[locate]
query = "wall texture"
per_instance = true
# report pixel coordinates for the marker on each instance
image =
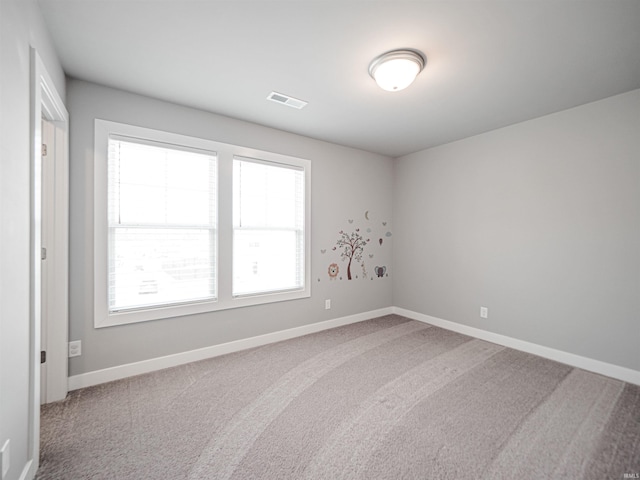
(539, 222)
(346, 185)
(21, 26)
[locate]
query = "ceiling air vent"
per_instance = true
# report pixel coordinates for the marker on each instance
(286, 100)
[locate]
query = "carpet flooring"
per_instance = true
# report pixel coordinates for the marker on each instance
(389, 398)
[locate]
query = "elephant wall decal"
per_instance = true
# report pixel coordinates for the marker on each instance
(380, 271)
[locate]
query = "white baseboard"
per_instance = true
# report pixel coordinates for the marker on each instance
(128, 370)
(589, 364)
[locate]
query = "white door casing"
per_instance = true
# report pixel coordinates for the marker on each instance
(47, 104)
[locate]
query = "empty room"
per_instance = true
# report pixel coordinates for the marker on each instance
(319, 239)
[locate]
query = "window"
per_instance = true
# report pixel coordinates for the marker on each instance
(268, 227)
(186, 225)
(162, 224)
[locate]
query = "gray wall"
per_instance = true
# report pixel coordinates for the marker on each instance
(539, 221)
(346, 183)
(21, 26)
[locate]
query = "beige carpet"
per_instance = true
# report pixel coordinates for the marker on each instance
(388, 398)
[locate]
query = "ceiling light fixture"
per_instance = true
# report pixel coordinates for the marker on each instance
(397, 69)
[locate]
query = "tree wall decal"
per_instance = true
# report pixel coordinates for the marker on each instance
(351, 247)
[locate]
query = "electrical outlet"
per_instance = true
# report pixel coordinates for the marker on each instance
(327, 304)
(75, 348)
(484, 312)
(5, 458)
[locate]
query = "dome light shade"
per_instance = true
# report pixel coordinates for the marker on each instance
(397, 69)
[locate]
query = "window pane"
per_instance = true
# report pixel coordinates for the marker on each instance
(160, 266)
(268, 195)
(266, 261)
(153, 185)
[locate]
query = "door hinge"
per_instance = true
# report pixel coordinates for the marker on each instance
(43, 253)
(43, 356)
(44, 149)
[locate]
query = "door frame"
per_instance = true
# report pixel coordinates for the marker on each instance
(47, 103)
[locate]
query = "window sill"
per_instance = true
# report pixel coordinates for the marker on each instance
(103, 320)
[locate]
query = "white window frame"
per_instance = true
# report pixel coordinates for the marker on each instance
(225, 154)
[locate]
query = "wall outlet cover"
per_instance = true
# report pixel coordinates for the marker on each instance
(75, 348)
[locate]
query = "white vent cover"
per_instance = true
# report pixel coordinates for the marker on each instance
(286, 100)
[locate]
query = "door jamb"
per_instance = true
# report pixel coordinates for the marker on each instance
(47, 103)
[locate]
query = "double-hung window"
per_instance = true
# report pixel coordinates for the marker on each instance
(268, 227)
(185, 225)
(162, 224)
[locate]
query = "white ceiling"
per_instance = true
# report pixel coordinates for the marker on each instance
(489, 63)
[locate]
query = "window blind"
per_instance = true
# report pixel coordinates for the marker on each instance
(161, 224)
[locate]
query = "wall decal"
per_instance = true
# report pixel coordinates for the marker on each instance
(351, 246)
(333, 271)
